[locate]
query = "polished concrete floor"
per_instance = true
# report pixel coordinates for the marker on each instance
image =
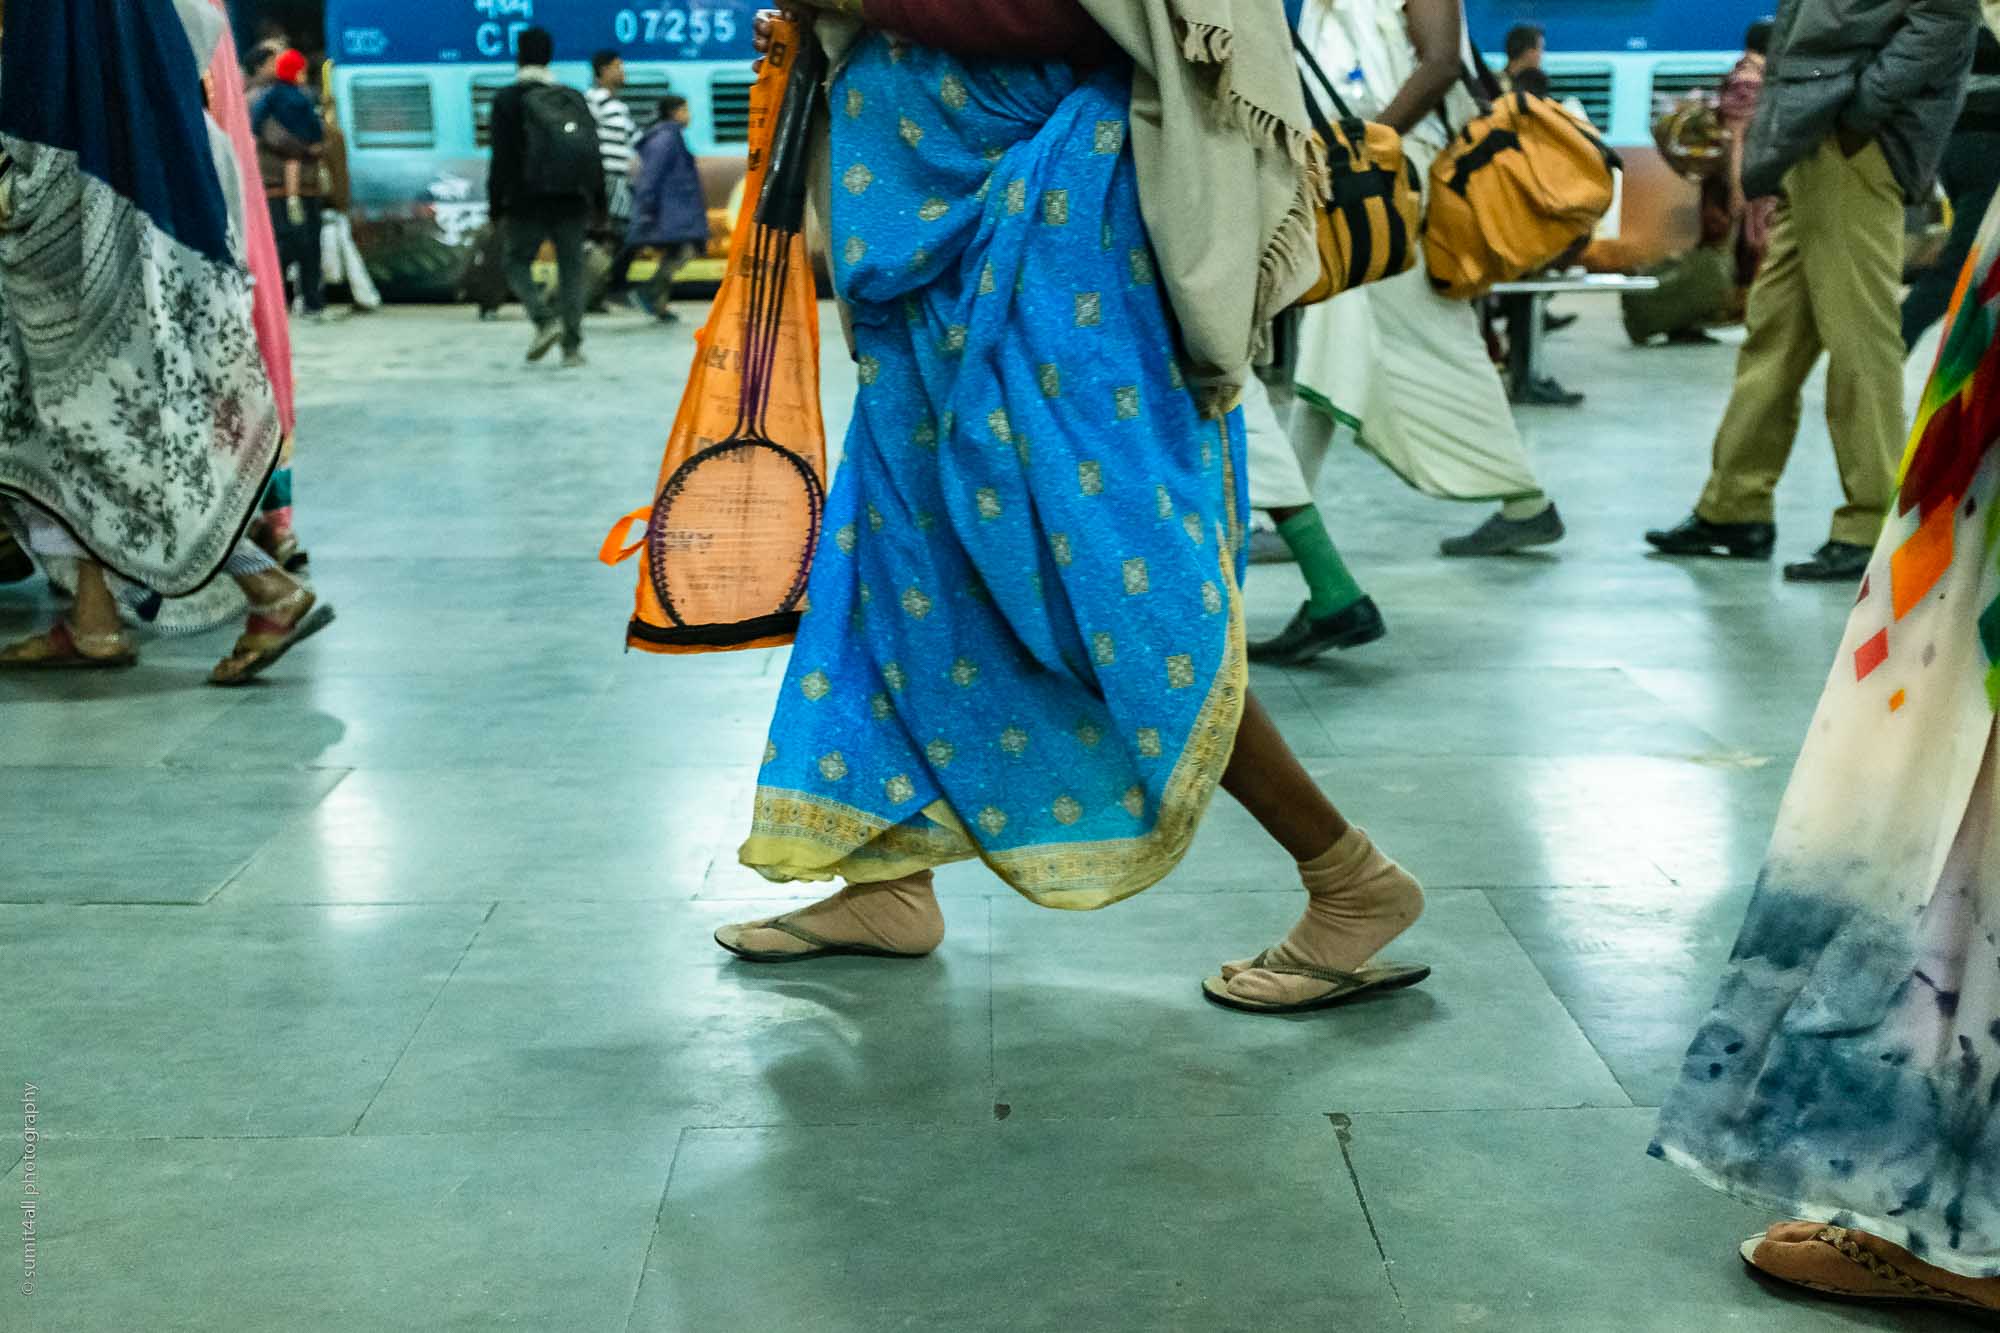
(380, 996)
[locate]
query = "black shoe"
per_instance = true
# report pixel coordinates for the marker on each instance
(546, 337)
(1835, 562)
(1697, 536)
(1543, 391)
(1306, 638)
(1554, 323)
(1500, 535)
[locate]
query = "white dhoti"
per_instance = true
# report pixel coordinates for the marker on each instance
(1278, 476)
(1407, 371)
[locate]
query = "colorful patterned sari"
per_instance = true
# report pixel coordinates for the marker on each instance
(1850, 1071)
(1024, 641)
(134, 407)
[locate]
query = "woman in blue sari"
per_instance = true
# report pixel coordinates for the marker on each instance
(1025, 638)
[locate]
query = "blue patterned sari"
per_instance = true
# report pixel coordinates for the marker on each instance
(1024, 641)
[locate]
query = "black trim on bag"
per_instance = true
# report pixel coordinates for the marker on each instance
(1399, 244)
(715, 636)
(1480, 155)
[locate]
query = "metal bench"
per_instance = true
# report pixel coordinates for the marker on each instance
(1525, 303)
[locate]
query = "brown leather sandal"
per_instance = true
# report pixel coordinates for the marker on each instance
(1856, 1266)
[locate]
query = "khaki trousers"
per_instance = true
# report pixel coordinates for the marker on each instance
(1830, 282)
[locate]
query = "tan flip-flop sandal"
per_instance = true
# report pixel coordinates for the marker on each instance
(1374, 979)
(1833, 1263)
(731, 938)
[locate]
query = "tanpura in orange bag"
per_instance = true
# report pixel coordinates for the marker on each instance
(733, 524)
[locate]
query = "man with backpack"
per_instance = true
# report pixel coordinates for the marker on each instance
(1859, 98)
(546, 183)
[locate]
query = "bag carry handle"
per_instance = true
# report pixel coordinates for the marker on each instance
(1483, 87)
(615, 551)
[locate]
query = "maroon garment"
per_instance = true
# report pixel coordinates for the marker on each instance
(1000, 29)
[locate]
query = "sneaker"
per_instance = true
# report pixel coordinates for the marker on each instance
(637, 300)
(1305, 638)
(573, 358)
(546, 337)
(1268, 548)
(1697, 536)
(1835, 562)
(667, 316)
(1500, 535)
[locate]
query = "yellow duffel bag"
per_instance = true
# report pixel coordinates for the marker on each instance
(1370, 213)
(1512, 191)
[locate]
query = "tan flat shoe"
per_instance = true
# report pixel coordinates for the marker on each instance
(1857, 1266)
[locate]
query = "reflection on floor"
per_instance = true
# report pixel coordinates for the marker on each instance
(380, 996)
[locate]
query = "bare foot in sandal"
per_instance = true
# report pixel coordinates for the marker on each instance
(65, 649)
(89, 637)
(1358, 901)
(896, 918)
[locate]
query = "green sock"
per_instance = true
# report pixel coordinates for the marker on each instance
(1333, 589)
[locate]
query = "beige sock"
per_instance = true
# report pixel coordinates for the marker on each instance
(1358, 900)
(900, 915)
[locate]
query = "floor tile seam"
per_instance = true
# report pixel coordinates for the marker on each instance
(291, 823)
(982, 1118)
(525, 1130)
(1549, 983)
(653, 1238)
(289, 905)
(429, 1009)
(992, 1024)
(1566, 1108)
(1343, 1132)
(1686, 716)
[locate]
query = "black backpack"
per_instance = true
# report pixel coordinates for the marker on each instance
(559, 144)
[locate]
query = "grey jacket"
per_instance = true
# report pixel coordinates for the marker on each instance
(1889, 70)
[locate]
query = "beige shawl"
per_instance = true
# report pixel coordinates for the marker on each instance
(1227, 167)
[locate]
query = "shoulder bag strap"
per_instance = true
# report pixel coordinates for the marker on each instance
(1474, 75)
(1306, 56)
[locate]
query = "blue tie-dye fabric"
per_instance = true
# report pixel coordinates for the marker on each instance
(1024, 617)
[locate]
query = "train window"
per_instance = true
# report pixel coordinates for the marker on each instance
(392, 113)
(729, 108)
(643, 97)
(1671, 84)
(1590, 86)
(484, 89)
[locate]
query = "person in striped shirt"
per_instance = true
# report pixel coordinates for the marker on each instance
(617, 135)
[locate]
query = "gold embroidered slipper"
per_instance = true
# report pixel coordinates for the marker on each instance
(1347, 987)
(63, 649)
(817, 946)
(1857, 1266)
(266, 639)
